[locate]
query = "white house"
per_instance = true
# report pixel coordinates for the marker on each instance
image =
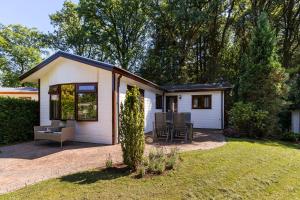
(91, 92)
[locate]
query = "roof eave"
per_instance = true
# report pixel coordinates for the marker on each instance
(198, 90)
(68, 56)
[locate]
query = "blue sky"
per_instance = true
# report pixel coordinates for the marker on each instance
(31, 13)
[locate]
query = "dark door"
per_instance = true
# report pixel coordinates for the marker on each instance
(171, 103)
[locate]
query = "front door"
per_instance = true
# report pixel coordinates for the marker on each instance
(171, 103)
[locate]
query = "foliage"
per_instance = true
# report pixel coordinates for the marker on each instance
(289, 136)
(17, 118)
(158, 162)
(246, 118)
(262, 81)
(71, 33)
(141, 171)
(20, 50)
(285, 119)
(132, 129)
(119, 26)
(109, 162)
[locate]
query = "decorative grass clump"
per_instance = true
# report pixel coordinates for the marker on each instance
(158, 161)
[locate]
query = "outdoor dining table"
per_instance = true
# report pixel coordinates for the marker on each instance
(189, 133)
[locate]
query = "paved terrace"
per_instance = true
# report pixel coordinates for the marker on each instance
(28, 163)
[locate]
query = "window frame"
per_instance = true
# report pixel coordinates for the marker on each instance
(199, 101)
(161, 101)
(86, 92)
(58, 92)
(59, 101)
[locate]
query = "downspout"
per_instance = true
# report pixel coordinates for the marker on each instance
(222, 109)
(39, 100)
(118, 104)
(113, 108)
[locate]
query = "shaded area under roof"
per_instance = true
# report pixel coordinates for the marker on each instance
(197, 87)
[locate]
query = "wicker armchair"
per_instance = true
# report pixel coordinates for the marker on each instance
(56, 132)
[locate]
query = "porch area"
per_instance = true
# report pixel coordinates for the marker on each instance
(28, 163)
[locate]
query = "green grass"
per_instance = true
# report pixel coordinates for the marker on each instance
(242, 169)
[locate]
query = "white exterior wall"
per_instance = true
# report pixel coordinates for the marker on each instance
(149, 100)
(202, 118)
(296, 121)
(69, 71)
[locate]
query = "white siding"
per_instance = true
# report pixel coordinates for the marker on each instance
(202, 118)
(149, 100)
(68, 71)
(296, 121)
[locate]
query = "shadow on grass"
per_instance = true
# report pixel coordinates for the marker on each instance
(90, 177)
(268, 142)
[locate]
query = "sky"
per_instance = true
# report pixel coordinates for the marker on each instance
(30, 13)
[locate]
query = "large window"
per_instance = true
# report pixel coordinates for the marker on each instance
(159, 101)
(201, 102)
(74, 101)
(87, 102)
(54, 102)
(67, 99)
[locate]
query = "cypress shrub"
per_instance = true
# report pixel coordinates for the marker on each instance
(17, 118)
(132, 129)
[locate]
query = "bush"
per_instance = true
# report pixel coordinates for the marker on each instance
(158, 162)
(132, 129)
(17, 119)
(172, 159)
(141, 171)
(245, 118)
(289, 136)
(157, 159)
(109, 162)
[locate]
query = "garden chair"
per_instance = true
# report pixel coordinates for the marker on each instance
(58, 133)
(182, 129)
(54, 124)
(161, 129)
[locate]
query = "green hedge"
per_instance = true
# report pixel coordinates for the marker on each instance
(17, 118)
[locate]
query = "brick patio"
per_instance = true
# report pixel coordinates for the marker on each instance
(28, 163)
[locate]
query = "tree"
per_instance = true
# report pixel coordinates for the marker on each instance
(119, 26)
(262, 81)
(20, 49)
(132, 128)
(71, 34)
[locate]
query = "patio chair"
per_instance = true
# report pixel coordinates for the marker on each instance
(182, 129)
(58, 134)
(161, 128)
(189, 123)
(54, 124)
(170, 116)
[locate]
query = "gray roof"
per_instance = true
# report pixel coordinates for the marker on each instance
(18, 89)
(107, 66)
(197, 87)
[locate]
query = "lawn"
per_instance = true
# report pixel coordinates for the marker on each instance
(242, 169)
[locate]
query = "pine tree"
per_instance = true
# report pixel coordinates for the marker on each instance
(132, 128)
(262, 82)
